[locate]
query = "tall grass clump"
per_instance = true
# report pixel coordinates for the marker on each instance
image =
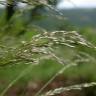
(69, 49)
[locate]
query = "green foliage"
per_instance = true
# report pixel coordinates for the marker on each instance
(29, 52)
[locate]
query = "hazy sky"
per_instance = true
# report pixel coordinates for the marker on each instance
(77, 3)
(74, 4)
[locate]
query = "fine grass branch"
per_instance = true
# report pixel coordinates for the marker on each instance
(43, 46)
(60, 90)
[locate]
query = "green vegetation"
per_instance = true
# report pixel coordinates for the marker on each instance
(38, 45)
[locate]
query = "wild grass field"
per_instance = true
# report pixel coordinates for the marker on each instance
(34, 60)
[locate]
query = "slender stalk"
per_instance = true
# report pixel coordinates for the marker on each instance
(53, 77)
(16, 79)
